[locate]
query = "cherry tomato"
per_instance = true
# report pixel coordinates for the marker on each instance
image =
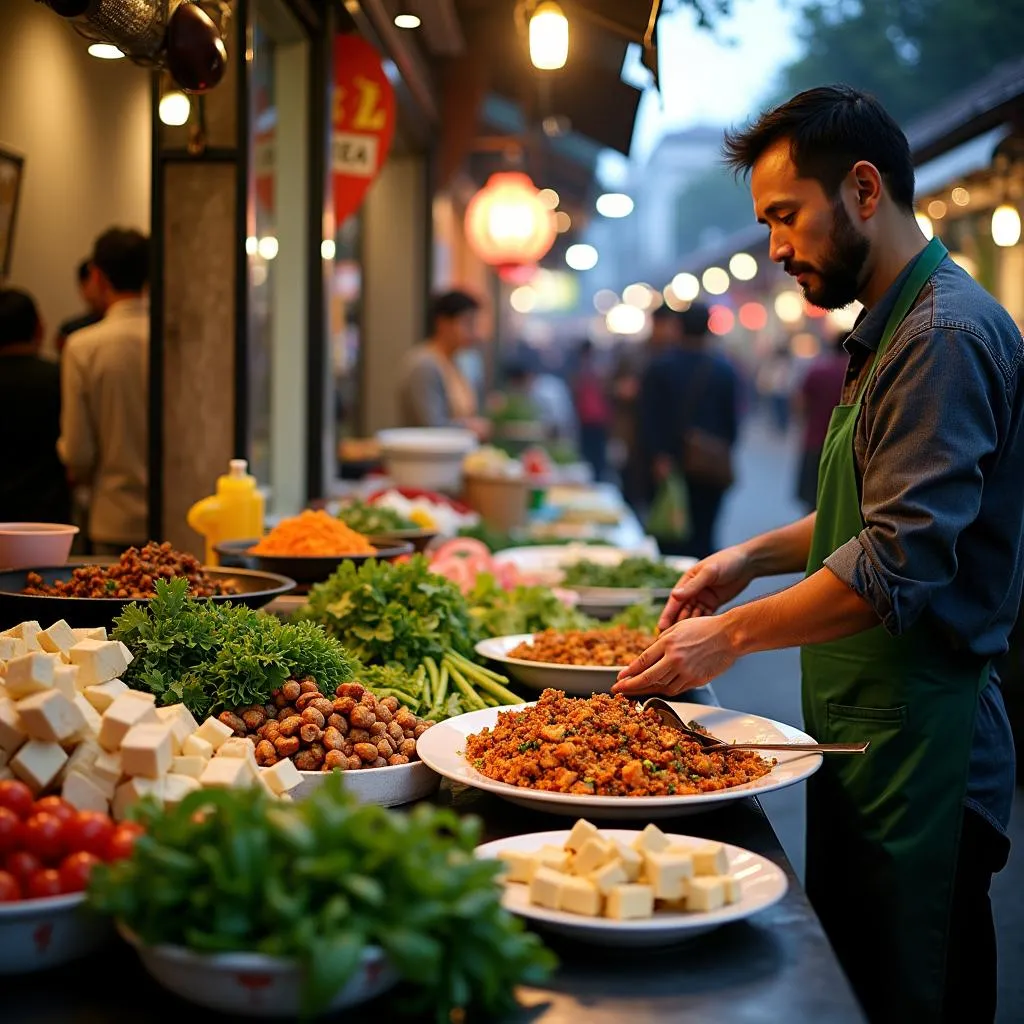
(10, 830)
(22, 864)
(90, 831)
(9, 888)
(56, 806)
(75, 870)
(16, 796)
(44, 883)
(123, 841)
(43, 835)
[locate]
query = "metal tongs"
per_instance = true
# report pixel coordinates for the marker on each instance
(670, 717)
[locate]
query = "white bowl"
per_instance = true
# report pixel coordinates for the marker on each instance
(387, 787)
(252, 984)
(578, 680)
(426, 458)
(25, 545)
(36, 935)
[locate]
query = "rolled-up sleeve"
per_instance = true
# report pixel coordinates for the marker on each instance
(76, 446)
(932, 421)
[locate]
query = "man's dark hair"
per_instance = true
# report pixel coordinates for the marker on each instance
(450, 305)
(83, 271)
(122, 256)
(829, 129)
(695, 320)
(19, 318)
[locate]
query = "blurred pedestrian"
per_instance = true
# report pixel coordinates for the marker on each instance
(93, 308)
(33, 484)
(593, 410)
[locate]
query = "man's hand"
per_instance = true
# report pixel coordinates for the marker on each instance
(712, 582)
(689, 654)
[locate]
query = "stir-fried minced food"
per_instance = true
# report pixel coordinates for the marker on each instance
(605, 647)
(603, 746)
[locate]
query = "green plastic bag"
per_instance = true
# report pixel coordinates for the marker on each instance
(669, 516)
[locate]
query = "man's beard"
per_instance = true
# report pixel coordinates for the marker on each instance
(839, 277)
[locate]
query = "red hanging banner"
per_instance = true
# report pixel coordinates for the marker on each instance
(362, 122)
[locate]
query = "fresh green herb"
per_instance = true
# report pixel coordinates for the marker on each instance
(212, 657)
(501, 612)
(320, 880)
(372, 520)
(529, 745)
(671, 789)
(631, 572)
(638, 616)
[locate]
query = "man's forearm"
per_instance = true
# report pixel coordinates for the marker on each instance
(815, 610)
(781, 551)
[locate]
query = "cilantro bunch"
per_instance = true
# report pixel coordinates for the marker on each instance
(216, 656)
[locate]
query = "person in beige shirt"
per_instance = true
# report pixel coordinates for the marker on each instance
(104, 433)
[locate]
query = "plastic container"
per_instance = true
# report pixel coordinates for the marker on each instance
(426, 458)
(502, 502)
(26, 545)
(233, 513)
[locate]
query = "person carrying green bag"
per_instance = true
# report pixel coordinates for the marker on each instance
(914, 568)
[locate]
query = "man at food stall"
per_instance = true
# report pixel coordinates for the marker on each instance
(913, 562)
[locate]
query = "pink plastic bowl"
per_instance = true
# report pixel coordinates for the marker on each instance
(27, 545)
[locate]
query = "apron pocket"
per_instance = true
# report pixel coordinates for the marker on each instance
(896, 716)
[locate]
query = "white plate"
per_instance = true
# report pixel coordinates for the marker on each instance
(542, 675)
(762, 884)
(36, 935)
(387, 787)
(442, 748)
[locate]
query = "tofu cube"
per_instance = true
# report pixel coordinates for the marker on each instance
(580, 896)
(667, 873)
(131, 792)
(90, 632)
(11, 647)
(181, 724)
(519, 866)
(126, 654)
(65, 679)
(12, 731)
(57, 639)
(196, 746)
(124, 713)
(710, 859)
(103, 695)
(733, 888)
(147, 750)
(214, 732)
(581, 832)
(237, 746)
(282, 776)
(188, 764)
(98, 660)
(27, 632)
(704, 893)
(651, 840)
(594, 853)
(546, 887)
(28, 674)
(149, 698)
(83, 757)
(107, 768)
(609, 876)
(50, 716)
(93, 721)
(556, 857)
(626, 902)
(631, 861)
(38, 763)
(227, 773)
(177, 787)
(82, 792)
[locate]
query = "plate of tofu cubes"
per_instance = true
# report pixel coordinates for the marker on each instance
(620, 887)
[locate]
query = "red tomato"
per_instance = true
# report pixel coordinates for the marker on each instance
(9, 888)
(56, 806)
(44, 883)
(75, 870)
(90, 831)
(10, 830)
(16, 796)
(43, 835)
(21, 864)
(123, 840)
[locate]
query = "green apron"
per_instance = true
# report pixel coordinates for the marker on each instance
(883, 828)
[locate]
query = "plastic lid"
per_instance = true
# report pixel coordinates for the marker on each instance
(238, 467)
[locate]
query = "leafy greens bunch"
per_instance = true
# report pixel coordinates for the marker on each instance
(319, 881)
(216, 656)
(521, 610)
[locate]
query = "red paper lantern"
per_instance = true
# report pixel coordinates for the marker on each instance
(507, 224)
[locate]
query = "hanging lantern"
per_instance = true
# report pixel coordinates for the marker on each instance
(507, 224)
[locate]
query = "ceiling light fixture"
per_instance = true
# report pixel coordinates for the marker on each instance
(407, 21)
(175, 108)
(614, 205)
(105, 51)
(1005, 225)
(549, 37)
(581, 256)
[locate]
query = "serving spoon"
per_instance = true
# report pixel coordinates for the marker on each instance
(670, 717)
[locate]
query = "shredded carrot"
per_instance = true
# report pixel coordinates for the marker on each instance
(311, 534)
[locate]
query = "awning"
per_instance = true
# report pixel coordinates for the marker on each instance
(959, 162)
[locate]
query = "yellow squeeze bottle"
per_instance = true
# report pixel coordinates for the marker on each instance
(235, 512)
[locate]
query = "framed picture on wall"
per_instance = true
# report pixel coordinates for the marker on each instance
(12, 167)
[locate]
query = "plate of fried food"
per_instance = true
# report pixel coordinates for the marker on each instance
(581, 661)
(605, 756)
(619, 887)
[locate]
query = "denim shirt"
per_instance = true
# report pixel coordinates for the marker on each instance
(939, 452)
